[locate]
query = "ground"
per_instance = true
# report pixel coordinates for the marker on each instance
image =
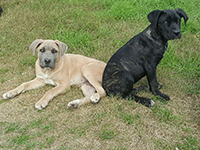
(97, 28)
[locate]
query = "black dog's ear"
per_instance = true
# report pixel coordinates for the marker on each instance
(182, 14)
(153, 17)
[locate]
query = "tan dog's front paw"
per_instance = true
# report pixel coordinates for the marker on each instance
(9, 95)
(41, 104)
(95, 98)
(73, 104)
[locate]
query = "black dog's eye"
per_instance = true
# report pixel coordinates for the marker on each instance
(179, 20)
(165, 22)
(42, 50)
(54, 51)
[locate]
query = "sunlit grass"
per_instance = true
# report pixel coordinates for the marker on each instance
(97, 28)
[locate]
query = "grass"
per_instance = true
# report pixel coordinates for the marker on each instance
(97, 28)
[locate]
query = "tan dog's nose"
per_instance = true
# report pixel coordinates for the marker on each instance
(47, 61)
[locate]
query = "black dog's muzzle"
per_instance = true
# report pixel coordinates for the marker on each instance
(177, 33)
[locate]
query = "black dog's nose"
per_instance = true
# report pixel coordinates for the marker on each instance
(47, 61)
(177, 32)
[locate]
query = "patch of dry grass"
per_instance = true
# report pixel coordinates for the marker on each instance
(90, 28)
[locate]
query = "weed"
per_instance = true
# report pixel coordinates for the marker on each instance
(118, 148)
(13, 127)
(78, 131)
(22, 139)
(107, 133)
(4, 70)
(50, 140)
(126, 116)
(30, 61)
(189, 143)
(165, 115)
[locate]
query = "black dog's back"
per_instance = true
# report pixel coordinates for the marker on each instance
(124, 60)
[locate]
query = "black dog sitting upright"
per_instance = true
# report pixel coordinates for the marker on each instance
(140, 56)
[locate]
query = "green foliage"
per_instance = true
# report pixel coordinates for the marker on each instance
(189, 143)
(50, 140)
(165, 115)
(25, 133)
(126, 116)
(13, 127)
(22, 139)
(78, 131)
(28, 61)
(187, 66)
(107, 133)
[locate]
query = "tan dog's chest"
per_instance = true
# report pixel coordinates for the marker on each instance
(46, 79)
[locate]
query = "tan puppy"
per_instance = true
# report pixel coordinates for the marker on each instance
(63, 70)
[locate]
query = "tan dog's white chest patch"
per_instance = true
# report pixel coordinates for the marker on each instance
(46, 79)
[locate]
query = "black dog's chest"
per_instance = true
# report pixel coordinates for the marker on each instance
(155, 55)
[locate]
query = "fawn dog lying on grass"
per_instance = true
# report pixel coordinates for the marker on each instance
(63, 70)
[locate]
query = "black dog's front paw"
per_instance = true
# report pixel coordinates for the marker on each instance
(165, 97)
(162, 95)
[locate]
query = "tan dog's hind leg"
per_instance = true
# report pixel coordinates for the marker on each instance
(33, 84)
(92, 90)
(93, 73)
(88, 92)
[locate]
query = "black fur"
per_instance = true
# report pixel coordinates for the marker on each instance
(1, 10)
(140, 56)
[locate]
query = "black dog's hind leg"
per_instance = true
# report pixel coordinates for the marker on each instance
(144, 88)
(130, 93)
(142, 100)
(140, 88)
(121, 84)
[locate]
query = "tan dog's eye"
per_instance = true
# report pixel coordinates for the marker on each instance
(42, 50)
(54, 51)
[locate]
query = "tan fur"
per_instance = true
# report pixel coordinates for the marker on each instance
(70, 70)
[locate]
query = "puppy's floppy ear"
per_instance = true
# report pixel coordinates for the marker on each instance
(35, 44)
(62, 46)
(182, 14)
(153, 17)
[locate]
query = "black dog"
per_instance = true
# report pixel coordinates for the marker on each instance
(140, 56)
(1, 10)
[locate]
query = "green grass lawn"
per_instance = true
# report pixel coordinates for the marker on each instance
(97, 28)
